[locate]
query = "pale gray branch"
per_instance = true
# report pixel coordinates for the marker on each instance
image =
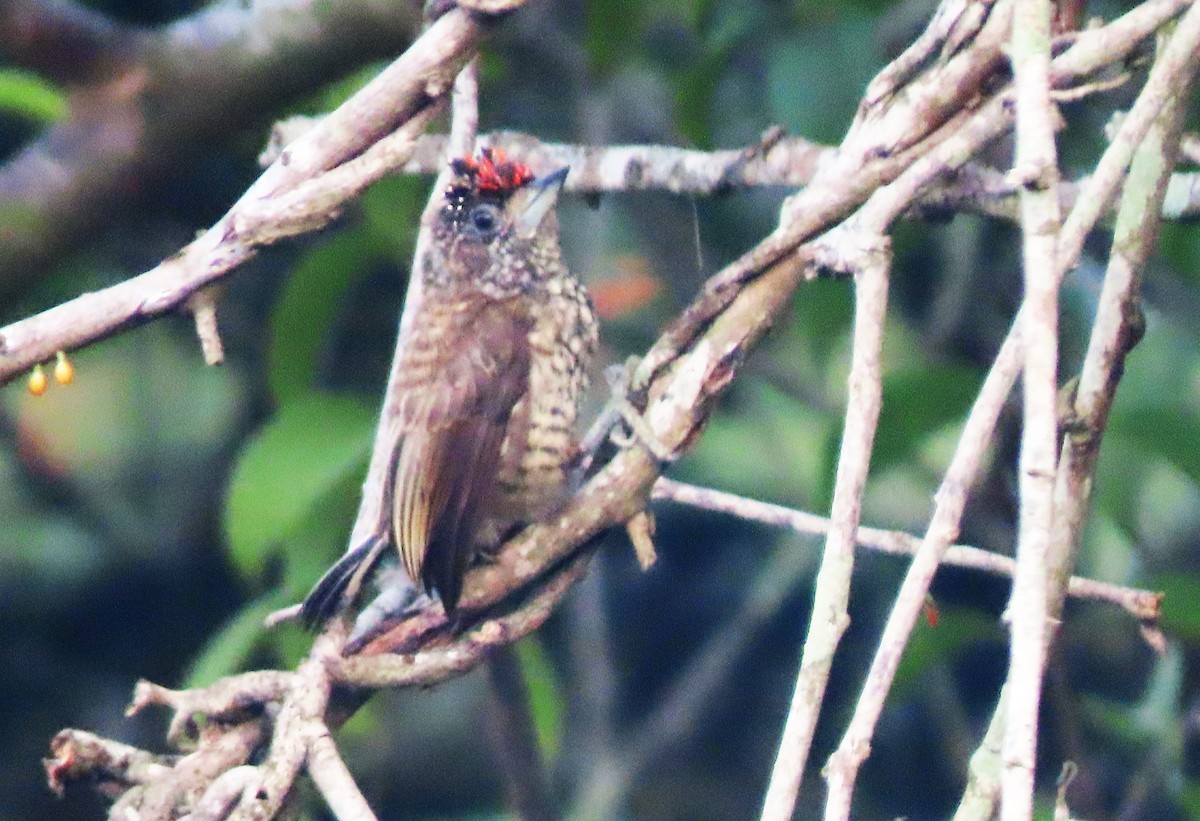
(1036, 170)
(1143, 605)
(870, 258)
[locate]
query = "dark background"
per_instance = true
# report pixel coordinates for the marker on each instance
(154, 510)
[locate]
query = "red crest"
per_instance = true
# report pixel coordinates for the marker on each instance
(493, 172)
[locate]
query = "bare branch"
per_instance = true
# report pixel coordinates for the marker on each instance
(1177, 63)
(1036, 168)
(870, 257)
(217, 70)
(388, 661)
(1118, 325)
(1143, 605)
(111, 765)
(982, 790)
(220, 748)
(230, 699)
(787, 162)
(334, 781)
(224, 793)
(203, 305)
(402, 94)
(935, 549)
(300, 721)
(775, 161)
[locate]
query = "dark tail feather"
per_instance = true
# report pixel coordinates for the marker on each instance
(329, 595)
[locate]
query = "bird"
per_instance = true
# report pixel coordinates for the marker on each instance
(489, 385)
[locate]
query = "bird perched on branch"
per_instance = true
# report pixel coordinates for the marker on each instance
(489, 385)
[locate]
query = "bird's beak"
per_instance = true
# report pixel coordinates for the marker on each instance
(536, 200)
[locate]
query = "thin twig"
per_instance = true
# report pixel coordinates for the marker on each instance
(1104, 181)
(982, 793)
(872, 263)
(229, 699)
(843, 183)
(789, 162)
(933, 550)
(79, 755)
(334, 781)
(1117, 326)
(300, 720)
(219, 748)
(224, 793)
(1143, 605)
(400, 93)
(681, 708)
(1036, 168)
(983, 767)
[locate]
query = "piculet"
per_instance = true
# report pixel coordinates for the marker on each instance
(489, 385)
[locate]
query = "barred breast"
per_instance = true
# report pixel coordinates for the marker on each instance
(541, 442)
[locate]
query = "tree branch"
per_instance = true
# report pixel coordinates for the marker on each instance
(982, 787)
(869, 257)
(1143, 605)
(221, 69)
(401, 100)
(1036, 167)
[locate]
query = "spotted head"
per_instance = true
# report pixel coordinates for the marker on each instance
(497, 230)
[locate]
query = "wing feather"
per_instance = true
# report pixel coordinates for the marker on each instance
(459, 392)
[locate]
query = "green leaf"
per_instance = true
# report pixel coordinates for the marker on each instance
(600, 20)
(1189, 797)
(28, 95)
(927, 645)
(546, 701)
(314, 295)
(311, 448)
(918, 402)
(230, 648)
(1120, 477)
(768, 445)
(321, 536)
(1169, 432)
(823, 311)
(1181, 603)
(391, 211)
(308, 307)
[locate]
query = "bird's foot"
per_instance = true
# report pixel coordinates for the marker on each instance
(398, 598)
(636, 430)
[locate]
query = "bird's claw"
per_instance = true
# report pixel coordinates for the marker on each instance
(621, 422)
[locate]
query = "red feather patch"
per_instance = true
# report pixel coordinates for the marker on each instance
(493, 172)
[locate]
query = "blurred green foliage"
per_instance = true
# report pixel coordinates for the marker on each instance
(546, 699)
(29, 97)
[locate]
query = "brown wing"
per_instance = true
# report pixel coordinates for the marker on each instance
(466, 366)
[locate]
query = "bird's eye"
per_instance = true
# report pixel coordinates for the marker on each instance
(484, 219)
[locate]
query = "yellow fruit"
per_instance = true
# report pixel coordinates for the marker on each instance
(38, 380)
(64, 371)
